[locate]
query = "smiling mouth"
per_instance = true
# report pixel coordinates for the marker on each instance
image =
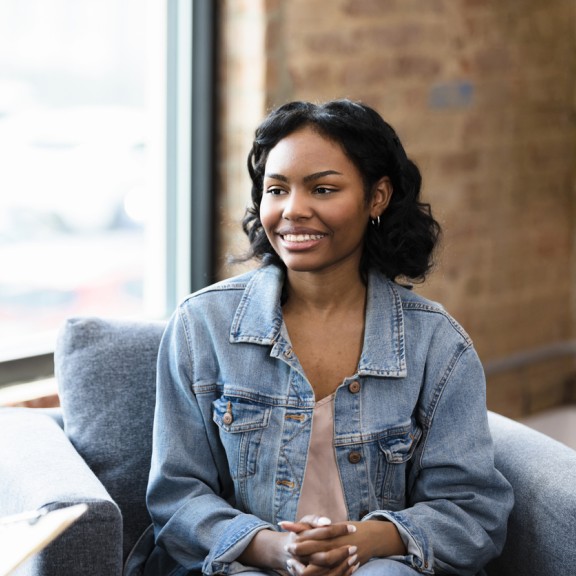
(302, 237)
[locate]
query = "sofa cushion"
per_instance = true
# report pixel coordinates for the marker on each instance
(542, 526)
(106, 372)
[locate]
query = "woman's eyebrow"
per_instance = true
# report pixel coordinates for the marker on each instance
(280, 177)
(308, 178)
(318, 175)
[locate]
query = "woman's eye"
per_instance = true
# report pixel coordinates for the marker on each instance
(275, 191)
(322, 190)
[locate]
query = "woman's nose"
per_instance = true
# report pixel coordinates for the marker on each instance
(297, 206)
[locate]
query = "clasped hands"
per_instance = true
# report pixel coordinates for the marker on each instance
(317, 547)
(314, 546)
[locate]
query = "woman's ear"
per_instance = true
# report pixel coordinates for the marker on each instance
(381, 197)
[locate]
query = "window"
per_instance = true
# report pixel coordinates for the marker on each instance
(105, 130)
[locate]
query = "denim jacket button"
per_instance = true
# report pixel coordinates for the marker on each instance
(354, 457)
(288, 353)
(354, 387)
(227, 418)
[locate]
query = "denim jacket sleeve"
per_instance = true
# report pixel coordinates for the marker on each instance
(458, 505)
(190, 493)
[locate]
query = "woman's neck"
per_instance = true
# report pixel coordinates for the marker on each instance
(324, 293)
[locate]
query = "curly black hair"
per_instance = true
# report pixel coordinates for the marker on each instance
(403, 243)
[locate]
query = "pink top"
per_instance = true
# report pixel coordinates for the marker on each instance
(322, 492)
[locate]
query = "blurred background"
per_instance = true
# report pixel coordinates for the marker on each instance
(481, 92)
(74, 155)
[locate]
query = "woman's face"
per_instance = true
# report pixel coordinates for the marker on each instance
(314, 209)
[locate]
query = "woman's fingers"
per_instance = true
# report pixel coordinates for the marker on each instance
(346, 567)
(295, 568)
(316, 521)
(295, 527)
(335, 557)
(328, 559)
(305, 523)
(318, 548)
(324, 534)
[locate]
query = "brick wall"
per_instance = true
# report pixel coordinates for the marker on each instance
(242, 78)
(482, 94)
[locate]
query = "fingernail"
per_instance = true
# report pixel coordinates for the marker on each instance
(353, 560)
(294, 567)
(323, 521)
(351, 528)
(352, 550)
(354, 568)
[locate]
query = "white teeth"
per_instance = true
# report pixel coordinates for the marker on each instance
(302, 237)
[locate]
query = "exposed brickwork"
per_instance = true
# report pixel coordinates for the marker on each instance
(482, 93)
(533, 388)
(242, 73)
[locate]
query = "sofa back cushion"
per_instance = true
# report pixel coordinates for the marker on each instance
(106, 373)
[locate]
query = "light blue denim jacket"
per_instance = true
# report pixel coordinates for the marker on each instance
(233, 422)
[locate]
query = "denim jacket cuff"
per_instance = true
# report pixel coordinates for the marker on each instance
(419, 552)
(231, 543)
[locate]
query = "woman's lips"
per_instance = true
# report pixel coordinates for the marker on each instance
(301, 241)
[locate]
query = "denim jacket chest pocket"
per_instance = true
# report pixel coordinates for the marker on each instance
(241, 425)
(395, 448)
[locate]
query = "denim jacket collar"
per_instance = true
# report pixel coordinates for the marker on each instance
(258, 320)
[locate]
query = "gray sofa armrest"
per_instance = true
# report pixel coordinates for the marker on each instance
(542, 527)
(39, 468)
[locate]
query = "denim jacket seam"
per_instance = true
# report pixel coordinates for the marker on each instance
(265, 400)
(186, 328)
(431, 308)
(438, 393)
(231, 284)
(399, 326)
(201, 389)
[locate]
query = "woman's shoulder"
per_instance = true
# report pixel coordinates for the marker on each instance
(428, 311)
(231, 290)
(218, 293)
(234, 283)
(413, 300)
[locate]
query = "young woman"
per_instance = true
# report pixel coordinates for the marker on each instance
(315, 416)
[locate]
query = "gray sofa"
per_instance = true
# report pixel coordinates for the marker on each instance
(96, 449)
